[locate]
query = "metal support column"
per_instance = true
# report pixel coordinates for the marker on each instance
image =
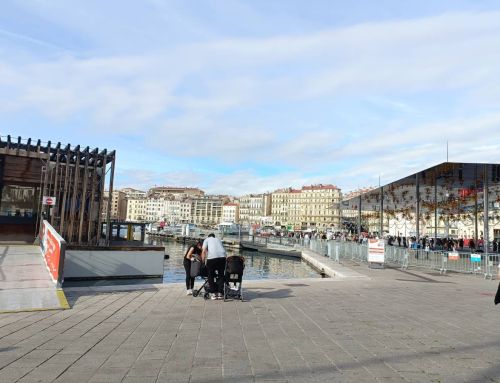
(486, 229)
(476, 236)
(417, 207)
(359, 218)
(381, 233)
(435, 210)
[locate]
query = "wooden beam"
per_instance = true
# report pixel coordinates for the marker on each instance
(67, 177)
(84, 194)
(74, 196)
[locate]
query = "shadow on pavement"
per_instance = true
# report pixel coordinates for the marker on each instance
(487, 374)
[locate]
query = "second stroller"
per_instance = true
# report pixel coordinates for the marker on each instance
(233, 276)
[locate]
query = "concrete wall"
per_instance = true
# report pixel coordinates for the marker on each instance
(113, 263)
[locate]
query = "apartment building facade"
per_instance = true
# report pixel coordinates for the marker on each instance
(254, 208)
(315, 207)
(230, 212)
(118, 207)
(136, 209)
(206, 210)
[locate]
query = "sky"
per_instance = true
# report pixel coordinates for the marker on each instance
(241, 97)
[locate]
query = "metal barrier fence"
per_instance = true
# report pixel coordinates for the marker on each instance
(482, 264)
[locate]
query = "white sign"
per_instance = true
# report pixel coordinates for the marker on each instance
(475, 257)
(50, 201)
(376, 248)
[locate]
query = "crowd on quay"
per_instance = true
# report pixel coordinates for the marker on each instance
(447, 244)
(426, 242)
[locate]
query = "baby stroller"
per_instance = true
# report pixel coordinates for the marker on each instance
(198, 269)
(233, 276)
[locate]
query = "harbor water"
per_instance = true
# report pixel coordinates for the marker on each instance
(257, 265)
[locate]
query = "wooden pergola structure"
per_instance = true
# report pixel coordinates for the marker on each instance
(75, 177)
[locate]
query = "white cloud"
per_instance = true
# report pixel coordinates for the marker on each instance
(198, 100)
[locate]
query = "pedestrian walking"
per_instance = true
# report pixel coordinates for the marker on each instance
(215, 256)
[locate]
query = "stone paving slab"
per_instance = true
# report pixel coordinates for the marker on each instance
(394, 326)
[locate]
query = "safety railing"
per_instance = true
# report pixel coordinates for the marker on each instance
(482, 264)
(485, 265)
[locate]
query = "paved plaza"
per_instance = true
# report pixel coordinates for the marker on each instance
(394, 326)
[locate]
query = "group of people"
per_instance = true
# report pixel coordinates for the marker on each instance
(449, 244)
(210, 252)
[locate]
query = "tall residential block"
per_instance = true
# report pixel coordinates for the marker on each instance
(315, 207)
(254, 208)
(206, 210)
(230, 212)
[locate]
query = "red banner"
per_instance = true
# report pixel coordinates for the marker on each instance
(53, 247)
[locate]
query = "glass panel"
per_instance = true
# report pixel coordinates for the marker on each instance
(19, 201)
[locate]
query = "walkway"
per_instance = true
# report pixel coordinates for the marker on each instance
(25, 282)
(329, 266)
(391, 327)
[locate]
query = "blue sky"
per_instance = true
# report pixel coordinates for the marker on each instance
(249, 96)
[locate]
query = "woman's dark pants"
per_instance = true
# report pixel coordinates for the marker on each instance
(189, 279)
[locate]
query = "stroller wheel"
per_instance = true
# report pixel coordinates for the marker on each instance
(195, 293)
(206, 295)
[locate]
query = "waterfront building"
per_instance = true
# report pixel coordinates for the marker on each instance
(253, 207)
(280, 207)
(133, 193)
(314, 207)
(159, 205)
(453, 200)
(185, 212)
(155, 209)
(230, 212)
(175, 211)
(206, 210)
(118, 205)
(176, 192)
(320, 206)
(72, 180)
(136, 209)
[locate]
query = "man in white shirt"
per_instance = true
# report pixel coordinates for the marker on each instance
(215, 255)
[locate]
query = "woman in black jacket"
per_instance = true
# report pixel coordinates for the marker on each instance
(189, 257)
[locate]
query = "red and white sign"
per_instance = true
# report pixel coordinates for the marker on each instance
(53, 247)
(454, 256)
(47, 200)
(376, 250)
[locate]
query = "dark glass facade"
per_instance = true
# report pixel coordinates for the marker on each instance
(450, 200)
